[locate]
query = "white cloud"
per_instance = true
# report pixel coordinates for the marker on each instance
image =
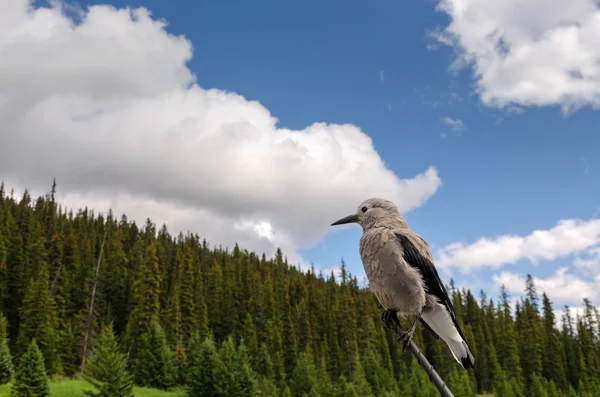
(563, 287)
(108, 107)
(568, 237)
(567, 286)
(590, 260)
(381, 76)
(455, 124)
(528, 52)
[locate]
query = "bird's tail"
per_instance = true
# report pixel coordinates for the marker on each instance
(443, 324)
(461, 352)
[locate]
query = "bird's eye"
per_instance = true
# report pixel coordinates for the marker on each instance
(364, 209)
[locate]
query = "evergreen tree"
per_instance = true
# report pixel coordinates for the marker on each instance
(286, 392)
(264, 364)
(325, 387)
(3, 327)
(180, 364)
(303, 380)
(114, 278)
(290, 344)
(206, 374)
(16, 267)
(6, 365)
(275, 345)
(248, 335)
(192, 358)
(345, 389)
(508, 348)
(236, 376)
(537, 388)
(347, 331)
(107, 368)
(553, 357)
(214, 298)
(155, 363)
(146, 289)
(552, 390)
(68, 348)
(504, 388)
(39, 321)
(189, 320)
(571, 349)
(530, 335)
(261, 313)
(31, 379)
(266, 387)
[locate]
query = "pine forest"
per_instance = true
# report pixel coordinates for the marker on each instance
(98, 297)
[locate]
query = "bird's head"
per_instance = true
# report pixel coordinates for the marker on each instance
(375, 212)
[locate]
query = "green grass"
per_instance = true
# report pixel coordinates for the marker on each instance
(75, 388)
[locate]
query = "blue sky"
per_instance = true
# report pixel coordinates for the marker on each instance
(377, 65)
(315, 61)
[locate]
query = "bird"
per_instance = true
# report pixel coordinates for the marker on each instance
(399, 267)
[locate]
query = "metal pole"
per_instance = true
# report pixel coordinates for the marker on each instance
(394, 324)
(433, 375)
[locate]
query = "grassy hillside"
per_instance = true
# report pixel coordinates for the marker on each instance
(75, 388)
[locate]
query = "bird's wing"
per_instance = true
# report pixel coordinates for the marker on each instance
(434, 285)
(428, 328)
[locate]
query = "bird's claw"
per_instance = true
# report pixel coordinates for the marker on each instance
(407, 337)
(390, 319)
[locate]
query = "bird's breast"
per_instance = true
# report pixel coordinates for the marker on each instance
(395, 283)
(371, 244)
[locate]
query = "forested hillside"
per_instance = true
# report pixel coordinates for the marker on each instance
(292, 333)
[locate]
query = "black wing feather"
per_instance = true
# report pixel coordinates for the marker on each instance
(431, 278)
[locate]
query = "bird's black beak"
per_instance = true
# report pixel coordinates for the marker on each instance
(348, 219)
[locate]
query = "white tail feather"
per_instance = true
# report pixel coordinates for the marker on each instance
(441, 323)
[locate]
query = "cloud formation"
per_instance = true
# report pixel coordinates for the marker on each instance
(577, 239)
(119, 119)
(568, 237)
(455, 124)
(523, 56)
(563, 286)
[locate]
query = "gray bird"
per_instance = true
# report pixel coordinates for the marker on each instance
(399, 266)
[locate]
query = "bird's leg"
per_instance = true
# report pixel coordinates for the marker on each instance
(390, 319)
(409, 335)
